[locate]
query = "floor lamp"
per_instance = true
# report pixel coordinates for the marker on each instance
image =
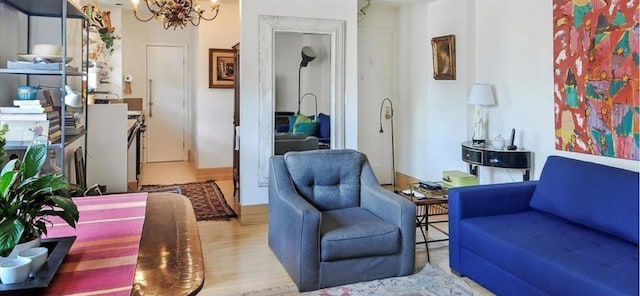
(316, 100)
(308, 55)
(393, 153)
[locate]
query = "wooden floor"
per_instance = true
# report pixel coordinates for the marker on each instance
(237, 258)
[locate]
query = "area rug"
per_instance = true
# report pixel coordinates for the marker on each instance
(206, 198)
(430, 281)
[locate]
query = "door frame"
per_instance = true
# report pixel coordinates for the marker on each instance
(394, 93)
(186, 90)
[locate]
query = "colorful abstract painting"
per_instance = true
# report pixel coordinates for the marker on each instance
(596, 83)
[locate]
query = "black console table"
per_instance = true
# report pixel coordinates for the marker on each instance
(485, 156)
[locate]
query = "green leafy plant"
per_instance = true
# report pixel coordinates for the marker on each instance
(108, 38)
(28, 198)
(3, 130)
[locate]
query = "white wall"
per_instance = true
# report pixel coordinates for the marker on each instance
(515, 53)
(314, 78)
(250, 192)
(213, 107)
(210, 110)
(378, 55)
(135, 36)
(496, 43)
(431, 113)
(13, 30)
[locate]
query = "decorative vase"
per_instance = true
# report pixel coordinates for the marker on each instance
(21, 247)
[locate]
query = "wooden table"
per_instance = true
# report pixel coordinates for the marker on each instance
(170, 257)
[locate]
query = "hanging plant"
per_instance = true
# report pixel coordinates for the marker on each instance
(102, 21)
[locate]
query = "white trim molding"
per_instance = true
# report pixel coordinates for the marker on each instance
(269, 25)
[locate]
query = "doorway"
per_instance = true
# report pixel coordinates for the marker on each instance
(166, 111)
(376, 75)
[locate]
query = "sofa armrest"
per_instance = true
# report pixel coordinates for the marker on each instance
(294, 227)
(484, 200)
(394, 209)
(490, 200)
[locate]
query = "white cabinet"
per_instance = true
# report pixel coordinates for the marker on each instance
(107, 146)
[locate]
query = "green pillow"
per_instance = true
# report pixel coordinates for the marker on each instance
(293, 119)
(307, 128)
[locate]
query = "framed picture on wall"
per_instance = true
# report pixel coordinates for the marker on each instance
(221, 68)
(444, 57)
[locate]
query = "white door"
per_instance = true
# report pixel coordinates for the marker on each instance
(376, 74)
(165, 109)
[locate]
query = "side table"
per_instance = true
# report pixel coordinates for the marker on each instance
(434, 203)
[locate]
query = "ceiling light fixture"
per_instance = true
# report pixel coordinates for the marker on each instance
(176, 13)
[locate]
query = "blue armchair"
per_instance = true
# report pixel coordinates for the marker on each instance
(331, 223)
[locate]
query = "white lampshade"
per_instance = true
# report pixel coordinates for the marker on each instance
(72, 98)
(481, 94)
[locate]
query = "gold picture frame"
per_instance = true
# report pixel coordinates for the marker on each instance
(222, 68)
(444, 57)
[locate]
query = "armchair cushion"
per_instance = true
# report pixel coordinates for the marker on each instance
(356, 232)
(329, 182)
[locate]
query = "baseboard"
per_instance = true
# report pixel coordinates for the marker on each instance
(132, 186)
(256, 214)
(215, 174)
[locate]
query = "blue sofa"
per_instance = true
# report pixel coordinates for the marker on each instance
(573, 232)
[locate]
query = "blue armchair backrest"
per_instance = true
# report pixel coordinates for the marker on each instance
(328, 179)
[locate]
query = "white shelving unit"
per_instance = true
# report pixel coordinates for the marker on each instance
(63, 10)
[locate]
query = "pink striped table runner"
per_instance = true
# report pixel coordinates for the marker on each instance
(102, 260)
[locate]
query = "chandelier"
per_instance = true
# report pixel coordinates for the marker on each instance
(176, 13)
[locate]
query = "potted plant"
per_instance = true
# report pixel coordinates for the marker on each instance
(29, 197)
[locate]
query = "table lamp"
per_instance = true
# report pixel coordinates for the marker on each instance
(480, 95)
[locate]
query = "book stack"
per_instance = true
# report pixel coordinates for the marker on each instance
(54, 124)
(26, 121)
(72, 126)
(53, 115)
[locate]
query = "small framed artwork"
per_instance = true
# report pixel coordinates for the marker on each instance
(222, 68)
(444, 57)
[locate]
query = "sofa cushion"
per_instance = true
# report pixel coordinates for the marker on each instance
(324, 129)
(554, 254)
(356, 232)
(328, 179)
(595, 195)
(289, 136)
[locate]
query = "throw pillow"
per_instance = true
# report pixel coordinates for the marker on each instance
(293, 119)
(307, 128)
(324, 129)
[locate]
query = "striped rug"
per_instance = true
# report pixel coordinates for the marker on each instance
(102, 260)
